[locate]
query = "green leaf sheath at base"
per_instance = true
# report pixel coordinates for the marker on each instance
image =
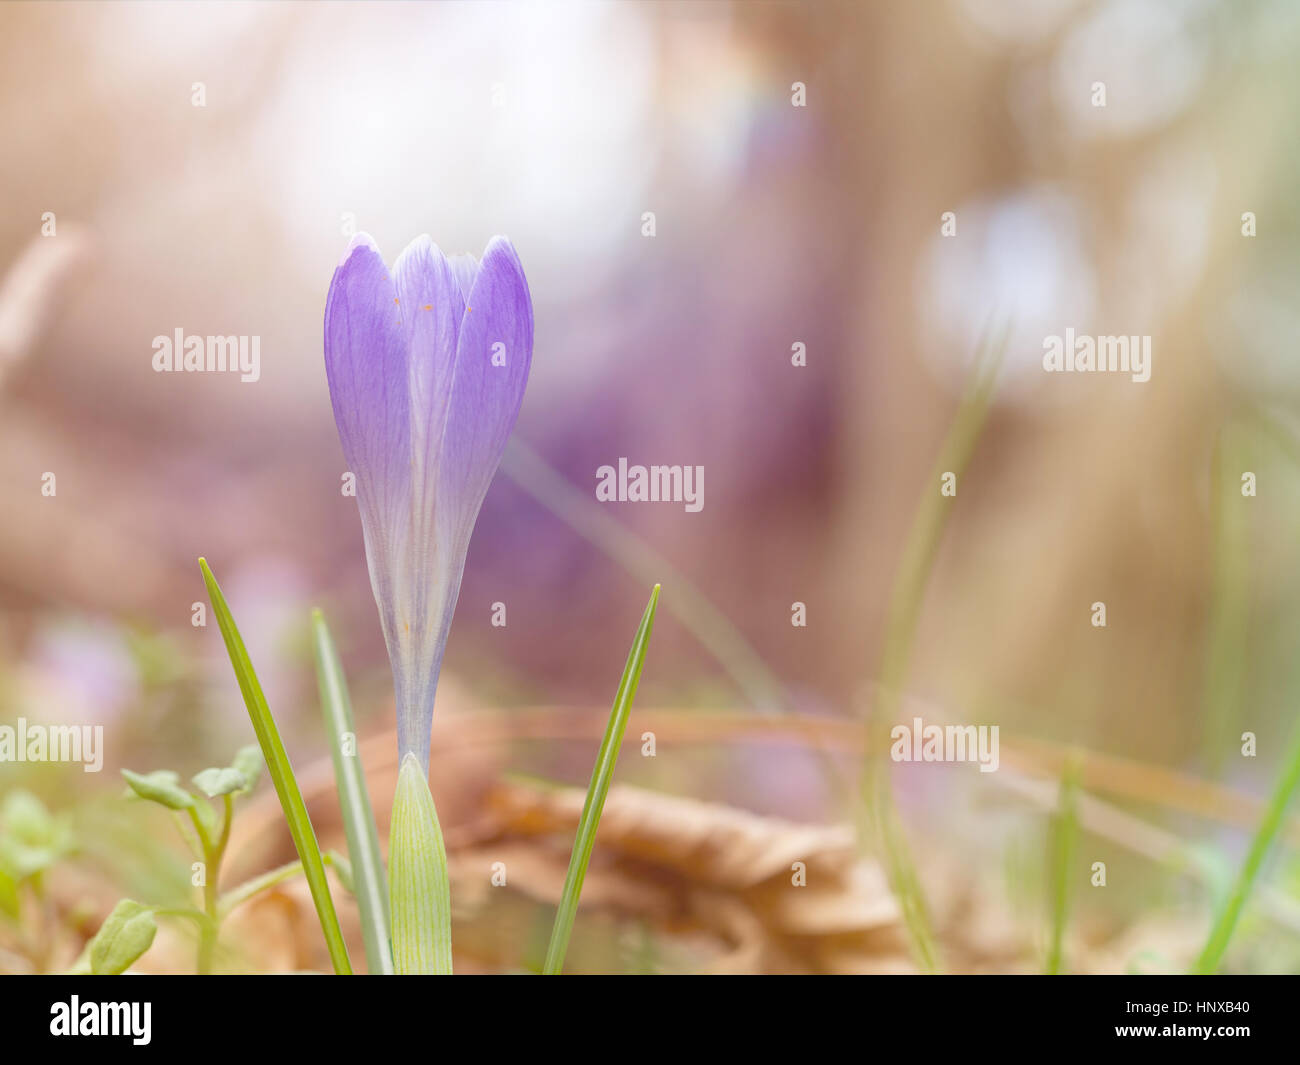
(281, 772)
(419, 893)
(366, 868)
(597, 790)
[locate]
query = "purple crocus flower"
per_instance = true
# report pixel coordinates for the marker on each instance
(427, 368)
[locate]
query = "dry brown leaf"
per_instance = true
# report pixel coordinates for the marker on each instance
(706, 842)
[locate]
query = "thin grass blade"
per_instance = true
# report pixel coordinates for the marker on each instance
(597, 790)
(1265, 833)
(928, 524)
(370, 883)
(286, 785)
(1064, 833)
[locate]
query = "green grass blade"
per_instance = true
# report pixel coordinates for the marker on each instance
(693, 610)
(924, 538)
(370, 884)
(1064, 833)
(601, 776)
(277, 764)
(1227, 645)
(1265, 833)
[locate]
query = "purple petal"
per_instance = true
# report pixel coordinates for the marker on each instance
(485, 397)
(465, 267)
(427, 370)
(481, 410)
(432, 307)
(365, 363)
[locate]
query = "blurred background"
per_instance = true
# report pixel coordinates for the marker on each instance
(202, 167)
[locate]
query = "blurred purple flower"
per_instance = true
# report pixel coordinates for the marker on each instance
(427, 368)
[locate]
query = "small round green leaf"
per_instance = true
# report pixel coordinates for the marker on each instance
(25, 816)
(214, 782)
(248, 760)
(31, 838)
(126, 934)
(160, 786)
